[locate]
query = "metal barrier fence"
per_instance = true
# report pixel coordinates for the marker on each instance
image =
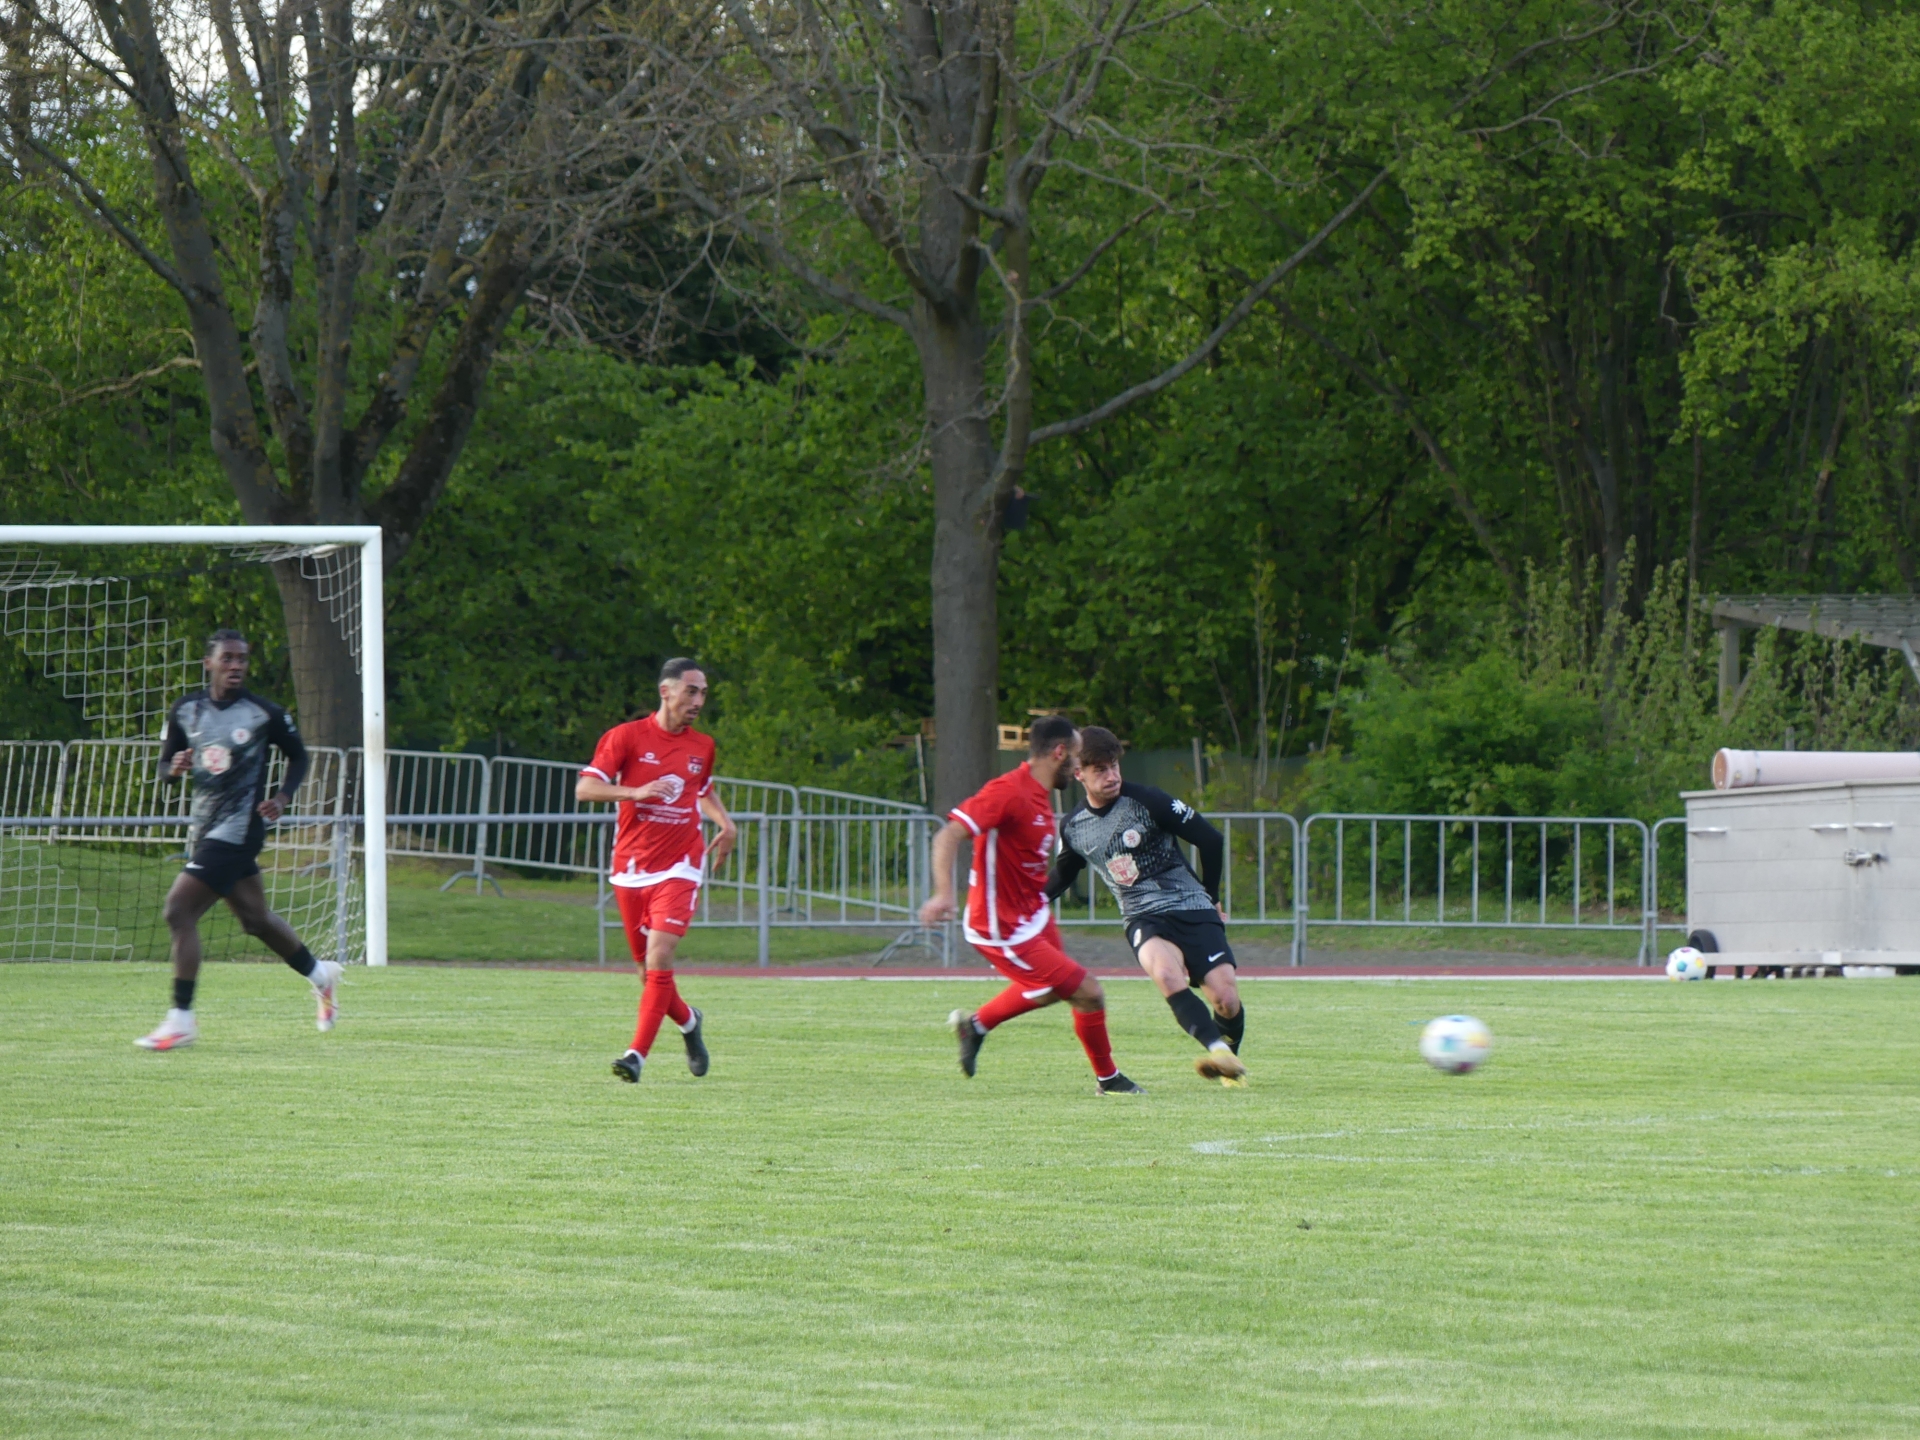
(807, 858)
(91, 837)
(1668, 899)
(1548, 873)
(1259, 882)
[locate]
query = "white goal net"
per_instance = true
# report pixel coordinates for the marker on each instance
(106, 626)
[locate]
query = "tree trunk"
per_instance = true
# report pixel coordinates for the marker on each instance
(326, 681)
(966, 553)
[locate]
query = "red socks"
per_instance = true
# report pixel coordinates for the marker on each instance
(1091, 1027)
(659, 999)
(1004, 1006)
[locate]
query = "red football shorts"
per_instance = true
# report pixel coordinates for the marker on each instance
(667, 906)
(1038, 964)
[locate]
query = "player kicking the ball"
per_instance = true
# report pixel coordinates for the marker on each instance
(1010, 823)
(659, 771)
(221, 735)
(1172, 920)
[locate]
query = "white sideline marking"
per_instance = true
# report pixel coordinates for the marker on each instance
(1244, 978)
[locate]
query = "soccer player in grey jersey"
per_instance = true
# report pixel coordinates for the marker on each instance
(1172, 918)
(221, 735)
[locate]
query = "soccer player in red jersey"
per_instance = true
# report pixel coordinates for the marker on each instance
(659, 771)
(1011, 825)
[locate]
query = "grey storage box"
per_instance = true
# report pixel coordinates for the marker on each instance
(1807, 875)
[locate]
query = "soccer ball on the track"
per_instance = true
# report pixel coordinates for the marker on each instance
(1456, 1044)
(1686, 963)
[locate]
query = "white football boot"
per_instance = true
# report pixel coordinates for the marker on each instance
(179, 1028)
(326, 980)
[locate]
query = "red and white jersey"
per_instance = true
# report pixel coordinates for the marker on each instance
(1013, 843)
(657, 839)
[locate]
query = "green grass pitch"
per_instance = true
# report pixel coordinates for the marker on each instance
(1663, 1210)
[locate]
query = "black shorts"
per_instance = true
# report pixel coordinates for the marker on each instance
(1201, 936)
(220, 864)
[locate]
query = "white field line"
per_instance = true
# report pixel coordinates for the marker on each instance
(1244, 979)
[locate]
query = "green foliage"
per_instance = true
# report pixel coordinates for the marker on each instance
(32, 706)
(516, 623)
(606, 516)
(777, 722)
(1480, 740)
(787, 514)
(1669, 328)
(1588, 710)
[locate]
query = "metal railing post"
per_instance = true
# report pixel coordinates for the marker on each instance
(59, 794)
(1649, 905)
(1652, 900)
(1304, 834)
(599, 852)
(766, 899)
(480, 830)
(342, 881)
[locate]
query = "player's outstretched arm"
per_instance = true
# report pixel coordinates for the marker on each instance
(1065, 871)
(284, 738)
(946, 849)
(729, 835)
(176, 756)
(1179, 818)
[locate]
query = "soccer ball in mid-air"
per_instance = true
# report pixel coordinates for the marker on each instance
(1686, 963)
(1456, 1044)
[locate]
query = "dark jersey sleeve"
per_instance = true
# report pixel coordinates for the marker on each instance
(284, 738)
(1176, 817)
(174, 741)
(1066, 870)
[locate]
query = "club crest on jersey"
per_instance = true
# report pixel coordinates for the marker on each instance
(1130, 838)
(693, 765)
(676, 787)
(242, 735)
(1124, 869)
(216, 759)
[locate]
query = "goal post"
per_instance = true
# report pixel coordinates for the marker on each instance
(265, 540)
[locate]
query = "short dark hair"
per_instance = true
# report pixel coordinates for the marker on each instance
(222, 637)
(677, 667)
(1047, 732)
(1099, 746)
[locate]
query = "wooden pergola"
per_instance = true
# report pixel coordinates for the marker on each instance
(1889, 621)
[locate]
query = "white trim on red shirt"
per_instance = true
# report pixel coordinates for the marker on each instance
(1026, 930)
(640, 879)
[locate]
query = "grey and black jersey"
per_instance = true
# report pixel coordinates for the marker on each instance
(230, 740)
(1131, 845)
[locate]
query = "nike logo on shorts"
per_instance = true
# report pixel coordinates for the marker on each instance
(1212, 958)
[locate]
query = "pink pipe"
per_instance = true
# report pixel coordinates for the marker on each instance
(1742, 769)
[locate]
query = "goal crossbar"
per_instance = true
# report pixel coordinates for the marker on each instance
(373, 660)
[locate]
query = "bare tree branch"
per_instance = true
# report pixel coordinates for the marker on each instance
(1093, 256)
(1226, 327)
